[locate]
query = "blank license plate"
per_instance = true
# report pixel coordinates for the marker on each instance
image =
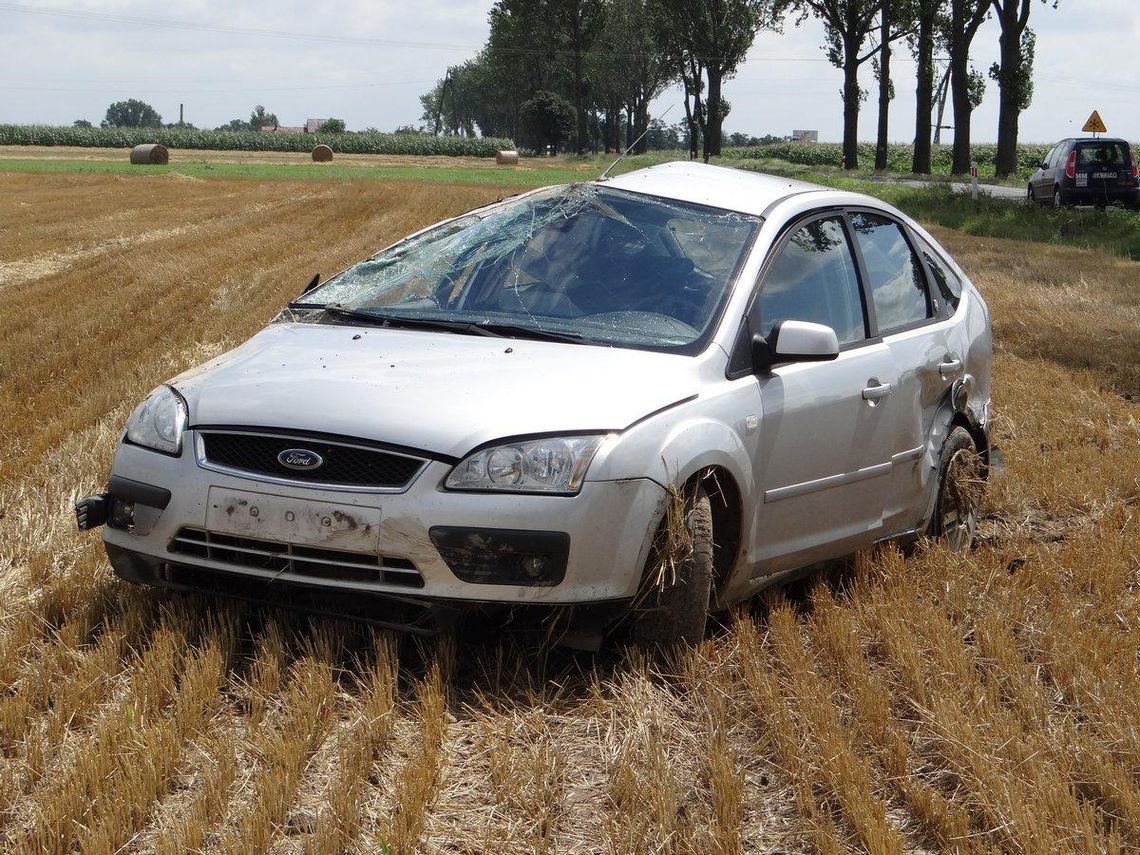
(1109, 175)
(267, 517)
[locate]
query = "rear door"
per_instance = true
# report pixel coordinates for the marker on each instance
(1041, 176)
(903, 314)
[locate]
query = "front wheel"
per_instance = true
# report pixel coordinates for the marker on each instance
(960, 487)
(673, 605)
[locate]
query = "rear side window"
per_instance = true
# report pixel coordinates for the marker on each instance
(949, 286)
(894, 275)
(1103, 154)
(813, 279)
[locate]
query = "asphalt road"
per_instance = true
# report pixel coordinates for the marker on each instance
(998, 191)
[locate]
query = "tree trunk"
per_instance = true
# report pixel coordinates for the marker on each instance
(1009, 107)
(714, 115)
(642, 135)
(924, 96)
(884, 87)
(851, 108)
(960, 98)
(580, 102)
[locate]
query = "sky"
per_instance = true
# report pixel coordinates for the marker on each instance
(368, 63)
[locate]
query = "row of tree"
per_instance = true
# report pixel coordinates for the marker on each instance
(584, 72)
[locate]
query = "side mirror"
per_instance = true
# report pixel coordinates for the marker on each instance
(313, 283)
(794, 341)
(1044, 165)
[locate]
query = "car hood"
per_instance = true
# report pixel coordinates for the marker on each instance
(439, 392)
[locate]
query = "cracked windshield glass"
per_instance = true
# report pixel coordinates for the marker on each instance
(576, 263)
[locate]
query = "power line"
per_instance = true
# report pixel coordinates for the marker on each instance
(331, 38)
(192, 91)
(166, 23)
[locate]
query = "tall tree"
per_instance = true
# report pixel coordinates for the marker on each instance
(896, 19)
(959, 28)
(705, 41)
(132, 113)
(259, 119)
(1014, 76)
(927, 31)
(577, 24)
(627, 72)
(847, 24)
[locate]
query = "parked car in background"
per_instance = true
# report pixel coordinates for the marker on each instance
(643, 398)
(1087, 172)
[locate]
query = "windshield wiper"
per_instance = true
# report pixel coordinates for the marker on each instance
(485, 328)
(514, 331)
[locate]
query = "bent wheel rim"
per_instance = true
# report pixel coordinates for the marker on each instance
(961, 500)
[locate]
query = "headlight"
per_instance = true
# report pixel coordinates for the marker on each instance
(158, 422)
(552, 465)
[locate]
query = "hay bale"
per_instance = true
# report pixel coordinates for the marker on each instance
(322, 154)
(507, 158)
(150, 154)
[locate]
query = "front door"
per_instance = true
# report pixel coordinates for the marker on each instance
(823, 461)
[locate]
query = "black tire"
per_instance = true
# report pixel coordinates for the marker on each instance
(960, 488)
(675, 611)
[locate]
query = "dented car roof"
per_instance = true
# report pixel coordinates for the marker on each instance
(715, 186)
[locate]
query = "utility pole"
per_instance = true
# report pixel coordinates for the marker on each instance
(940, 97)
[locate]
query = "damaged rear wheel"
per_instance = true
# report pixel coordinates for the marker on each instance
(673, 605)
(960, 487)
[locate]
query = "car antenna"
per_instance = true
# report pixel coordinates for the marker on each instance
(605, 175)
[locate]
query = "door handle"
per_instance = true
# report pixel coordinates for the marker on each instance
(949, 367)
(877, 392)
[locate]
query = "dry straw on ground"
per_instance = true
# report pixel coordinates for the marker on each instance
(919, 703)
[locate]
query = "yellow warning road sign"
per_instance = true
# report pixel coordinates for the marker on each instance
(1095, 125)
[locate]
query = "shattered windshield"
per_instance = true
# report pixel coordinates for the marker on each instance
(582, 262)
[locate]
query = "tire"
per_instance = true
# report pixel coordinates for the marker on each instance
(675, 611)
(960, 488)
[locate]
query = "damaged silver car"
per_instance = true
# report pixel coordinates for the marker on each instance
(644, 398)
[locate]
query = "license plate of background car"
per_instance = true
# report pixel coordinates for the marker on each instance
(1107, 175)
(325, 524)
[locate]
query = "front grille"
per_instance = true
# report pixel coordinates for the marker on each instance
(311, 561)
(344, 464)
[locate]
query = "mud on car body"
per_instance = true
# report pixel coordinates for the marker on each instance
(644, 398)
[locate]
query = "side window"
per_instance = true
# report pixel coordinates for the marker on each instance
(1051, 158)
(894, 275)
(814, 279)
(948, 284)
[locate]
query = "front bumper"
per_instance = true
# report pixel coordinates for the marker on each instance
(609, 526)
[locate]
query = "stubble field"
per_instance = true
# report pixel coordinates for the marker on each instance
(927, 703)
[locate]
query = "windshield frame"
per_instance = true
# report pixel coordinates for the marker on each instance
(303, 313)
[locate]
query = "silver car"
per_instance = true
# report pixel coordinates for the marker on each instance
(646, 398)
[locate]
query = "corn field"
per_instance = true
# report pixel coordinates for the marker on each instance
(898, 156)
(346, 143)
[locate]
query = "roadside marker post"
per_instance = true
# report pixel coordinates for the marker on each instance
(974, 179)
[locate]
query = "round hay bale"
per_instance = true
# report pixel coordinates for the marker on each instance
(150, 154)
(322, 154)
(507, 158)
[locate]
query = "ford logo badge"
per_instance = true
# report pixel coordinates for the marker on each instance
(300, 459)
